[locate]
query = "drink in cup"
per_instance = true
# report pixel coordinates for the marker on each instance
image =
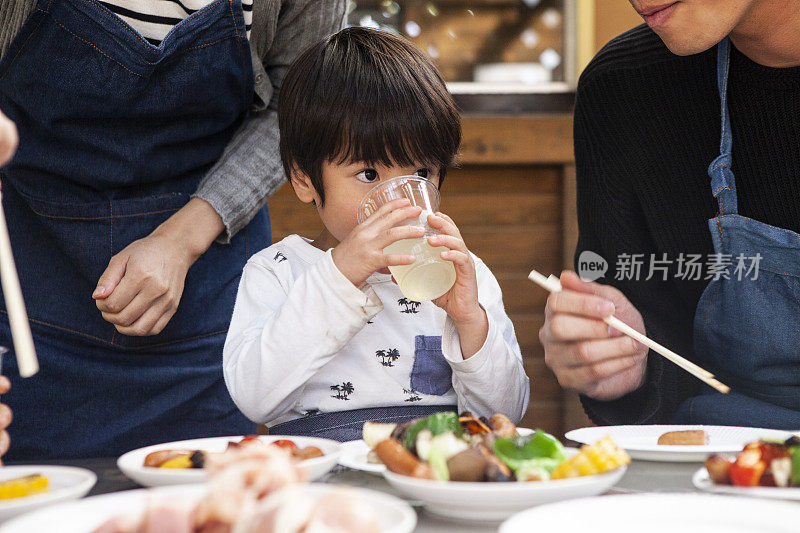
(429, 276)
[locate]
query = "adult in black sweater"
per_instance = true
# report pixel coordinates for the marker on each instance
(647, 125)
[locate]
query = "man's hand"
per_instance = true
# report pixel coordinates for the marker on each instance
(585, 353)
(5, 418)
(8, 139)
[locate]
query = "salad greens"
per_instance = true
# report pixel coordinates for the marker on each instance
(538, 452)
(437, 424)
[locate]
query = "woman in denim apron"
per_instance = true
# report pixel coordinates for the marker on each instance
(116, 136)
(745, 330)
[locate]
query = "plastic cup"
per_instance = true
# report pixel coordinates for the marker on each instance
(430, 276)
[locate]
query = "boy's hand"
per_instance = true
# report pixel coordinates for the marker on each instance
(360, 254)
(461, 301)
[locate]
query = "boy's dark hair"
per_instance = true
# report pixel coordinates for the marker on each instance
(365, 95)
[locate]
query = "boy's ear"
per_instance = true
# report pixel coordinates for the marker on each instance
(303, 187)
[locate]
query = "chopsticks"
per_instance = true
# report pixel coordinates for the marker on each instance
(552, 284)
(15, 305)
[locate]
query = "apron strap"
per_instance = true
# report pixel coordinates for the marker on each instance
(723, 183)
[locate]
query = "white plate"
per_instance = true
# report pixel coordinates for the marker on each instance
(702, 481)
(86, 515)
(354, 455)
(488, 501)
(132, 463)
(641, 442)
(659, 513)
(66, 483)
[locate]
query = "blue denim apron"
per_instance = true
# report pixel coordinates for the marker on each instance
(347, 425)
(116, 135)
(746, 332)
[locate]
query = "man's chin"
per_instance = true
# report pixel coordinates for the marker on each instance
(686, 46)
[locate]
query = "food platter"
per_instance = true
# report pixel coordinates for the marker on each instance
(86, 515)
(702, 481)
(132, 463)
(464, 501)
(65, 483)
(354, 455)
(641, 441)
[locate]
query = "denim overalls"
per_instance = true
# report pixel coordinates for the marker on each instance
(747, 332)
(115, 135)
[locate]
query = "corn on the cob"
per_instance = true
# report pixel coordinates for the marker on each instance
(602, 456)
(23, 486)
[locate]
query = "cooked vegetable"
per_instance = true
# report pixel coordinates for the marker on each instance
(496, 470)
(23, 486)
(473, 425)
(374, 432)
(719, 469)
(538, 451)
(781, 471)
(438, 463)
(285, 443)
(467, 465)
(437, 423)
(602, 456)
(794, 478)
(156, 459)
(746, 471)
(182, 461)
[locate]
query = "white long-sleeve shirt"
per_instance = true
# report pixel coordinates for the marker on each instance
(304, 340)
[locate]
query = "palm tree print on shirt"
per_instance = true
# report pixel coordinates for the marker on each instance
(280, 258)
(413, 396)
(388, 357)
(408, 306)
(343, 391)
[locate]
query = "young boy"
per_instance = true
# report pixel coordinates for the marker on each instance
(321, 338)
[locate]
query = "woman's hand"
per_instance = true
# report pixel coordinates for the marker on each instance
(5, 418)
(461, 301)
(140, 290)
(360, 254)
(585, 353)
(8, 139)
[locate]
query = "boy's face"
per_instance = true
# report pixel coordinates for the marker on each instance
(345, 186)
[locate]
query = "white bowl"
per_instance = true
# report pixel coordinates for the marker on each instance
(659, 513)
(86, 515)
(65, 483)
(489, 501)
(132, 463)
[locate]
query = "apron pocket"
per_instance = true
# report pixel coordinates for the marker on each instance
(431, 373)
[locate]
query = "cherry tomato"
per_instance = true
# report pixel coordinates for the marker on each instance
(249, 438)
(283, 443)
